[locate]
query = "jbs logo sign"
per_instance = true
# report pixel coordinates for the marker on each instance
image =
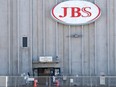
(75, 12)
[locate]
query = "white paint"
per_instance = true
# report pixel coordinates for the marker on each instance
(88, 13)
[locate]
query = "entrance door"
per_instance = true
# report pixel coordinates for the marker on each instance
(44, 73)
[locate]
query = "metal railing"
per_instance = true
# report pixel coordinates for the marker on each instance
(63, 81)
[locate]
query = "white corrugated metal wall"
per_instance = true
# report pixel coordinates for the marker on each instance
(91, 54)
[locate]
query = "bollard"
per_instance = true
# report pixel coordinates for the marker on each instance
(57, 83)
(35, 83)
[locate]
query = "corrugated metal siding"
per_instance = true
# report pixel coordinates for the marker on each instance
(91, 54)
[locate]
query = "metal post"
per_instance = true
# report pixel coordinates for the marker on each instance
(49, 81)
(6, 81)
(15, 81)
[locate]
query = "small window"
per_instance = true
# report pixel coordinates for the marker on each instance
(24, 41)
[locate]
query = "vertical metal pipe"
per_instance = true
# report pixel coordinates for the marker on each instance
(82, 53)
(108, 38)
(82, 61)
(114, 22)
(31, 29)
(18, 31)
(89, 51)
(70, 58)
(95, 49)
(43, 18)
(37, 26)
(115, 31)
(89, 57)
(108, 35)
(56, 27)
(8, 17)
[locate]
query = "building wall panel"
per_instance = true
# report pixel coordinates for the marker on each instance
(101, 41)
(4, 38)
(91, 54)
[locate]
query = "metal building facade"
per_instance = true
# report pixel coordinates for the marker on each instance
(91, 54)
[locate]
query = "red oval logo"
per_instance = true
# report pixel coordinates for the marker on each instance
(75, 12)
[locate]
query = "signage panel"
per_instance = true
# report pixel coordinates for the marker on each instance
(45, 59)
(75, 12)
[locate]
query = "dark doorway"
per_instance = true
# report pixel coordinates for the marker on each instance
(45, 75)
(46, 71)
